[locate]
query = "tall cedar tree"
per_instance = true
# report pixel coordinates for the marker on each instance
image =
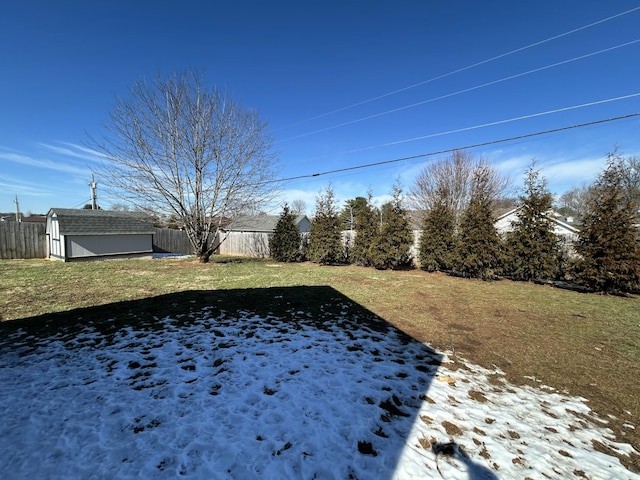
(351, 211)
(533, 249)
(325, 239)
(392, 247)
(437, 242)
(608, 241)
(286, 241)
(478, 250)
(366, 223)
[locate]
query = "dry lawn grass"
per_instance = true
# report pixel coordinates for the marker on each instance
(581, 344)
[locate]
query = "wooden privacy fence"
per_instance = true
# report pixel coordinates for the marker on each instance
(251, 244)
(22, 240)
(166, 240)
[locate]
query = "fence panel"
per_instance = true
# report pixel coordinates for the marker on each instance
(166, 240)
(251, 244)
(22, 240)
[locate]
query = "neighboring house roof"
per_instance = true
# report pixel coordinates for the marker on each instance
(101, 222)
(35, 219)
(260, 223)
(504, 223)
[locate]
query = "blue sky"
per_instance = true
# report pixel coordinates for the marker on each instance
(340, 83)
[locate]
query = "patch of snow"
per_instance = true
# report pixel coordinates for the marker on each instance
(170, 255)
(243, 397)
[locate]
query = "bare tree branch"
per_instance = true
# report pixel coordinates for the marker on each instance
(450, 180)
(180, 148)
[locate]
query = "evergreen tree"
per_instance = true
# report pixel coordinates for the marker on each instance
(351, 211)
(437, 242)
(392, 247)
(286, 241)
(325, 239)
(478, 250)
(608, 241)
(532, 246)
(349, 217)
(366, 223)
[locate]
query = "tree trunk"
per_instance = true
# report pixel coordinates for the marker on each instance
(204, 257)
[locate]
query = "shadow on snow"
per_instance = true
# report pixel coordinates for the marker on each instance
(270, 370)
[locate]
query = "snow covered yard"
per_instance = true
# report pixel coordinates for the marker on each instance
(235, 395)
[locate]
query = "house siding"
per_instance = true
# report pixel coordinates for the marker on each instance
(504, 224)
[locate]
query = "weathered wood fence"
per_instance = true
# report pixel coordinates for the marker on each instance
(166, 240)
(251, 244)
(22, 240)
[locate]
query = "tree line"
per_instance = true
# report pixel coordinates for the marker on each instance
(192, 152)
(456, 197)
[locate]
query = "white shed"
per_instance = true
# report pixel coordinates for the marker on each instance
(81, 235)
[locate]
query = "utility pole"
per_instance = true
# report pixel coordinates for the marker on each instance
(94, 194)
(18, 219)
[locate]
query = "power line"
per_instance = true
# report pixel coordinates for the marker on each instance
(475, 127)
(470, 89)
(440, 152)
(81, 204)
(468, 67)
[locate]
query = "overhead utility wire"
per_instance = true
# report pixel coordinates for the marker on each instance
(470, 89)
(79, 204)
(490, 124)
(474, 127)
(440, 152)
(468, 67)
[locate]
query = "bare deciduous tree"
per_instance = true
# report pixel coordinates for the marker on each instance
(449, 181)
(178, 147)
(631, 179)
(573, 202)
(299, 207)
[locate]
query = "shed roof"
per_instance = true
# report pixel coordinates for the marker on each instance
(101, 222)
(259, 223)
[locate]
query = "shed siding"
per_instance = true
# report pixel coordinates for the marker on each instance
(101, 245)
(56, 244)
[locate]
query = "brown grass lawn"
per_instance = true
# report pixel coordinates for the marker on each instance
(581, 344)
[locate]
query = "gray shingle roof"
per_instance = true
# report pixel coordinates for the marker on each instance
(259, 223)
(101, 222)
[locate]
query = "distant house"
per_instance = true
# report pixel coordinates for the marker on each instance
(11, 217)
(250, 235)
(81, 235)
(35, 219)
(561, 226)
(415, 217)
